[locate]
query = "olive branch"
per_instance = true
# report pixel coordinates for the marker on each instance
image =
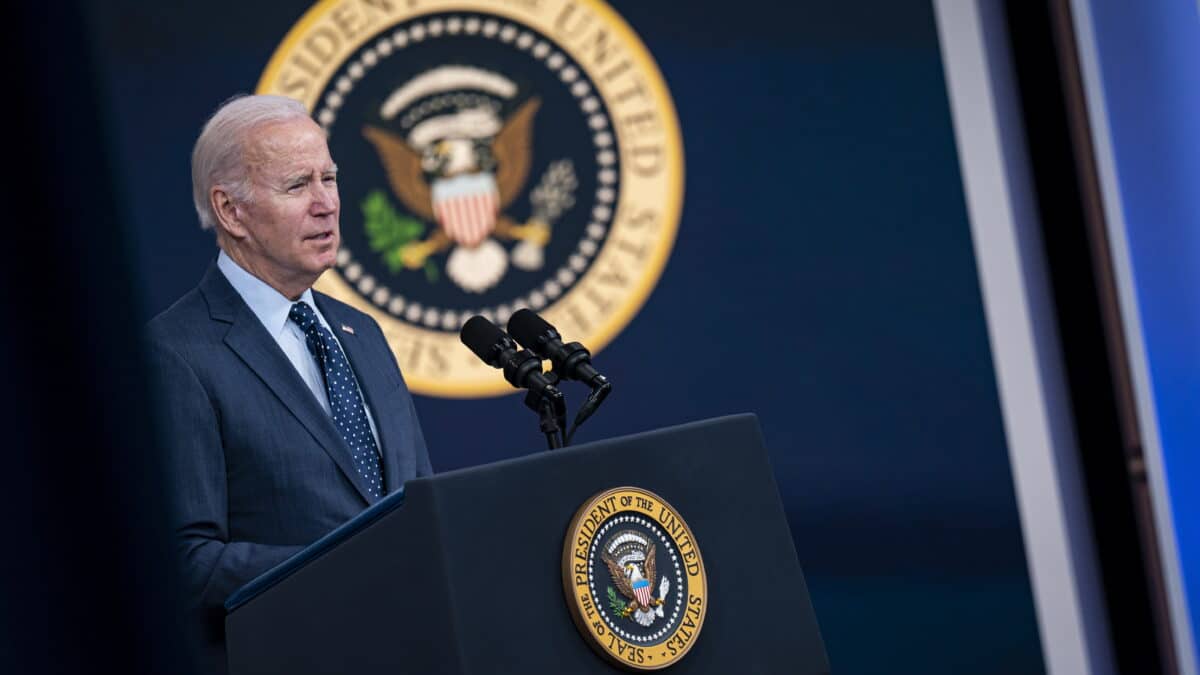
(555, 193)
(388, 232)
(615, 603)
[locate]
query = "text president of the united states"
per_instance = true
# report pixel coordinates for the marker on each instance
(284, 411)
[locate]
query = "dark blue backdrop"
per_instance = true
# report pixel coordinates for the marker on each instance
(823, 274)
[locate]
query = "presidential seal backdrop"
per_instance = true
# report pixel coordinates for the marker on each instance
(493, 156)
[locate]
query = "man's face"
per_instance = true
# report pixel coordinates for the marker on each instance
(291, 220)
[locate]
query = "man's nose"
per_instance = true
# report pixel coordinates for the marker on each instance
(325, 198)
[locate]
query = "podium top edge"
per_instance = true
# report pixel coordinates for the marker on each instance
(733, 419)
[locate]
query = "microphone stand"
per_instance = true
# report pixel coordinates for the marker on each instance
(551, 407)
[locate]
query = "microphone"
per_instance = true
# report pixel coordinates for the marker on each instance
(495, 348)
(523, 370)
(571, 361)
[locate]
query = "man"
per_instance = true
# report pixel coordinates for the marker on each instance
(284, 411)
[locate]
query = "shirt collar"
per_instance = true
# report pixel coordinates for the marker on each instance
(268, 304)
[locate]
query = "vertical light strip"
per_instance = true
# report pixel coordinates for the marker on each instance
(1114, 218)
(1022, 331)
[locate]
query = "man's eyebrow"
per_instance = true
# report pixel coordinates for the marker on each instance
(298, 177)
(307, 175)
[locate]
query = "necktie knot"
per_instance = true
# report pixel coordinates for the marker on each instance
(315, 337)
(303, 315)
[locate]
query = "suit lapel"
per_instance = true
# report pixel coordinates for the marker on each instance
(371, 380)
(250, 341)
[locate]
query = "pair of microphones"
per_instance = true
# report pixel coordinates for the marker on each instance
(522, 368)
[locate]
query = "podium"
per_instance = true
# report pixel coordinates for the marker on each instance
(462, 572)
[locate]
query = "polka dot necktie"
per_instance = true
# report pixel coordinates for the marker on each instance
(349, 415)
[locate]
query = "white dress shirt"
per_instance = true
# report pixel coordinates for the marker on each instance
(272, 308)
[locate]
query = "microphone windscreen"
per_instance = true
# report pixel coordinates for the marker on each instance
(527, 327)
(479, 334)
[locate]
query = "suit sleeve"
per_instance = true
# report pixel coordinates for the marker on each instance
(213, 567)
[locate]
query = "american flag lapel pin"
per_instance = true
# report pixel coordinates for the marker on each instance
(348, 329)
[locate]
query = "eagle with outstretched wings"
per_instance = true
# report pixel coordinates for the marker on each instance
(512, 148)
(464, 183)
(636, 584)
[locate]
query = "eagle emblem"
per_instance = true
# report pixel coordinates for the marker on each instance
(460, 166)
(631, 563)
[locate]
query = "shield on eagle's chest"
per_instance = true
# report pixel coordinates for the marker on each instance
(641, 588)
(466, 206)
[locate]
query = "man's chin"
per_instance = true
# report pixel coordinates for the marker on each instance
(314, 266)
(323, 264)
(326, 255)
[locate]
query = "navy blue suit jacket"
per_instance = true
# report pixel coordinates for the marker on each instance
(257, 467)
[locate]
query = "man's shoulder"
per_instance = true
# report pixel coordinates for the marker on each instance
(179, 312)
(185, 321)
(197, 315)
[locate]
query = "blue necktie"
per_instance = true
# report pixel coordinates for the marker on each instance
(349, 415)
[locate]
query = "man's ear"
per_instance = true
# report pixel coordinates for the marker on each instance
(230, 215)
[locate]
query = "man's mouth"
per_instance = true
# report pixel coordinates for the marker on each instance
(324, 236)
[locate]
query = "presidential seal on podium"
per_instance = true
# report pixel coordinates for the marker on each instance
(634, 579)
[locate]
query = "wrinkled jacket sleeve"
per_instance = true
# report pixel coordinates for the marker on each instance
(213, 566)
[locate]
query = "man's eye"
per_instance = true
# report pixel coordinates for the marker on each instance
(294, 187)
(330, 180)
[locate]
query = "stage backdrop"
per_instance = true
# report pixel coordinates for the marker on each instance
(781, 230)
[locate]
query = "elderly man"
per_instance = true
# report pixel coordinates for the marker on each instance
(284, 411)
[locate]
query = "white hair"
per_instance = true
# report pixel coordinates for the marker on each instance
(218, 157)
